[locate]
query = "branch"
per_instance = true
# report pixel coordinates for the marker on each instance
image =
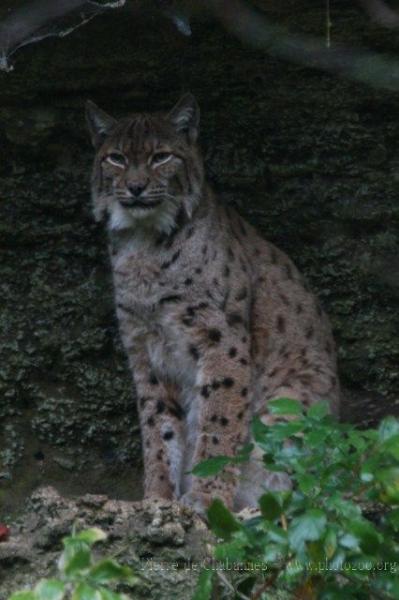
(252, 28)
(34, 22)
(381, 13)
(31, 23)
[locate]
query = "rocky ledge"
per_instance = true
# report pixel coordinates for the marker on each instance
(163, 542)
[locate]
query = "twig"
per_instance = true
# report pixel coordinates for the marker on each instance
(227, 583)
(328, 24)
(267, 584)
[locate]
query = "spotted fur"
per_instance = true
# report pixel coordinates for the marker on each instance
(215, 320)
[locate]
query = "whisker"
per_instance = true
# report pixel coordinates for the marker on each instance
(163, 195)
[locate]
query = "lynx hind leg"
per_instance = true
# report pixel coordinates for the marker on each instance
(322, 385)
(255, 480)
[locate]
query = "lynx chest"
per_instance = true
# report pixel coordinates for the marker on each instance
(148, 316)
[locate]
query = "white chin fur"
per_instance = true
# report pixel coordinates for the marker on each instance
(161, 218)
(120, 218)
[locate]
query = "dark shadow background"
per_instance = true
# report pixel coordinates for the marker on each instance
(309, 158)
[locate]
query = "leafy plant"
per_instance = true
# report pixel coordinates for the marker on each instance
(80, 578)
(334, 535)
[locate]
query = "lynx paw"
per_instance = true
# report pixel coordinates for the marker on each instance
(277, 481)
(197, 502)
(248, 513)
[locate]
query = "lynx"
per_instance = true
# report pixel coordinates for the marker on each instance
(215, 320)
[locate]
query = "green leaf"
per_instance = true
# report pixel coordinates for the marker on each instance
(393, 518)
(391, 446)
(343, 508)
(211, 466)
(50, 589)
(107, 594)
(85, 592)
(349, 541)
(77, 562)
(316, 551)
(221, 520)
(204, 586)
(389, 479)
(270, 464)
(281, 431)
(270, 506)
(285, 406)
(245, 452)
(260, 431)
(273, 554)
(276, 534)
(307, 483)
(367, 535)
(307, 527)
(335, 564)
(91, 536)
(233, 551)
(356, 439)
(318, 411)
(287, 497)
(330, 543)
(317, 436)
(366, 475)
(75, 558)
(24, 595)
(334, 591)
(389, 582)
(110, 570)
(291, 572)
(388, 428)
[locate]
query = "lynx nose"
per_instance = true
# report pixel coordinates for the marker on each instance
(136, 189)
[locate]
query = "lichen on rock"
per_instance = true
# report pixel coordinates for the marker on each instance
(159, 540)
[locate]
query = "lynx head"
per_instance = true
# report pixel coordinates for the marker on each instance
(147, 166)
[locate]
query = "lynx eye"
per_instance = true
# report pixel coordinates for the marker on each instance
(160, 158)
(116, 159)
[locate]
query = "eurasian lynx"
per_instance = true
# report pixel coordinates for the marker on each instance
(215, 320)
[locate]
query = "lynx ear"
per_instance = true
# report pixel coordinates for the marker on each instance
(99, 123)
(185, 115)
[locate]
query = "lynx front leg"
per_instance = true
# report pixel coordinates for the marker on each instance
(218, 421)
(161, 419)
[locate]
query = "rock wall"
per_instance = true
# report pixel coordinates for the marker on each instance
(311, 159)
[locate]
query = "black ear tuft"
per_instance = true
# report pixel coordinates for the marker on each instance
(185, 115)
(99, 123)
